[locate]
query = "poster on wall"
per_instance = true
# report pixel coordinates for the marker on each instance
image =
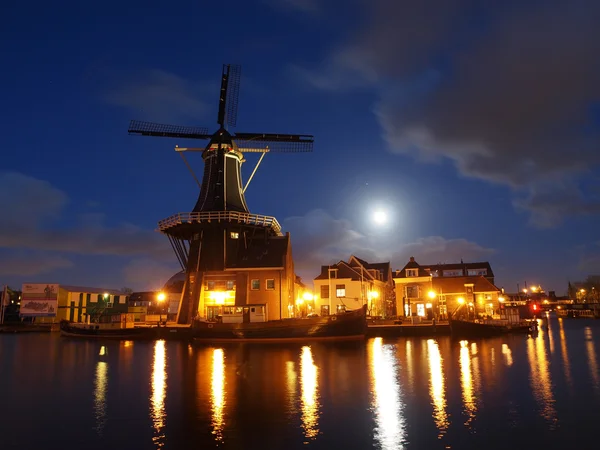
(39, 300)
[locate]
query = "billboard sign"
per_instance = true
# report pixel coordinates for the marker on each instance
(39, 300)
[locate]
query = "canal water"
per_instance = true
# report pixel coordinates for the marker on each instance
(511, 392)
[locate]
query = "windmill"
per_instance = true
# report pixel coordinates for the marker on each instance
(220, 235)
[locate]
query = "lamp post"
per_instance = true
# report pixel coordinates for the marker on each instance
(161, 298)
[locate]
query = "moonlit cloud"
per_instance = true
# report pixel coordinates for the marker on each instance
(36, 234)
(158, 95)
(508, 93)
(319, 239)
(29, 264)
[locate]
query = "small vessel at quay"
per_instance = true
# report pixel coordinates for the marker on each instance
(491, 327)
(351, 325)
(102, 330)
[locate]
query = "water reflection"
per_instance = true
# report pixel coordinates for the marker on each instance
(409, 364)
(436, 387)
(291, 382)
(100, 385)
(506, 351)
(466, 382)
(541, 384)
(159, 391)
(564, 352)
(592, 361)
(309, 379)
(217, 385)
(389, 431)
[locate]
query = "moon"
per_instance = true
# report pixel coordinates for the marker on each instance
(379, 217)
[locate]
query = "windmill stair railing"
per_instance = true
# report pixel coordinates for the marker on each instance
(220, 216)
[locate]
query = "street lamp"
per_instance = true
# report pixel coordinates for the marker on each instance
(161, 298)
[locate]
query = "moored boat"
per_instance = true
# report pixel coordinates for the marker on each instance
(349, 325)
(102, 330)
(489, 328)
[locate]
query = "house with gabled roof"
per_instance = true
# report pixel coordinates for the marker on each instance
(346, 286)
(436, 291)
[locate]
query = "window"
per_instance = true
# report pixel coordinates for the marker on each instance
(477, 272)
(324, 310)
(341, 309)
(340, 290)
(324, 291)
(117, 299)
(453, 273)
(234, 235)
(255, 285)
(230, 285)
(270, 284)
(210, 285)
(109, 305)
(420, 309)
(412, 291)
(412, 272)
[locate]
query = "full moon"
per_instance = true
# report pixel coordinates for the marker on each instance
(379, 217)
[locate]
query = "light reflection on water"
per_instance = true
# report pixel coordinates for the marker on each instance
(100, 385)
(310, 401)
(591, 357)
(392, 393)
(389, 430)
(159, 392)
(217, 385)
(466, 382)
(437, 386)
(541, 383)
(506, 351)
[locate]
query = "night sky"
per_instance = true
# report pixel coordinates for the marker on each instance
(476, 129)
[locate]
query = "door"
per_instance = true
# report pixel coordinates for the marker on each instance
(246, 315)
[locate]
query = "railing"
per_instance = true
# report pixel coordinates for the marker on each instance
(220, 216)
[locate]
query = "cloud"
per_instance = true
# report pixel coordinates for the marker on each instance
(30, 263)
(508, 93)
(319, 239)
(33, 209)
(436, 249)
(550, 204)
(147, 274)
(157, 95)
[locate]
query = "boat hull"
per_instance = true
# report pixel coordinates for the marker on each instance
(464, 328)
(93, 331)
(340, 327)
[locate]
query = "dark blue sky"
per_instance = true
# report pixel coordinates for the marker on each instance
(476, 130)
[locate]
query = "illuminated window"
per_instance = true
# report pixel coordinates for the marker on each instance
(324, 291)
(230, 285)
(340, 290)
(341, 309)
(270, 284)
(255, 285)
(412, 272)
(235, 235)
(420, 309)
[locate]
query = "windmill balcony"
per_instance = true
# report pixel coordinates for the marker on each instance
(220, 216)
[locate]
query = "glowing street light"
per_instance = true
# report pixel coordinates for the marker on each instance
(161, 298)
(431, 294)
(461, 300)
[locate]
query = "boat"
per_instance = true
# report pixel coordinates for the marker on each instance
(489, 328)
(102, 330)
(350, 325)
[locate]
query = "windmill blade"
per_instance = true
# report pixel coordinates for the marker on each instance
(233, 93)
(277, 143)
(172, 131)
